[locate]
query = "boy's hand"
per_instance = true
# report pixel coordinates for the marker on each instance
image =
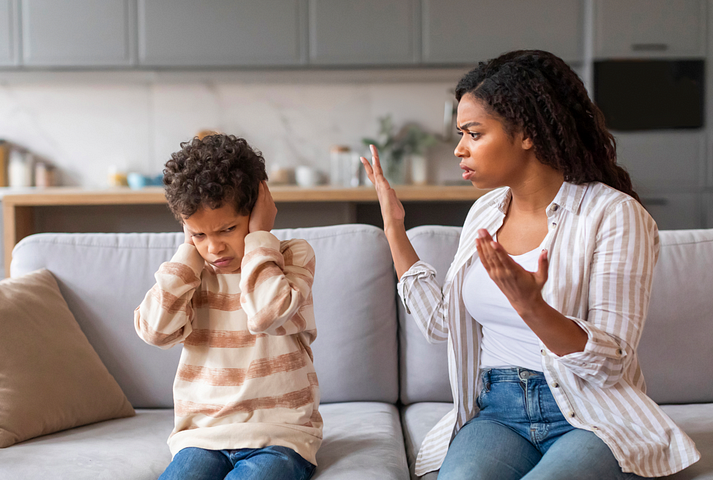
(264, 212)
(188, 237)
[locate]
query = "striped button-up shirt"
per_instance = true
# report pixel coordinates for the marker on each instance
(603, 247)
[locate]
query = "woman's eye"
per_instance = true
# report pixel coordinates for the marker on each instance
(459, 133)
(474, 135)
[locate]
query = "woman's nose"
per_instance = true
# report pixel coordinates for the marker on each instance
(460, 151)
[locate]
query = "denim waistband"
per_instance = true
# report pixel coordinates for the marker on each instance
(515, 374)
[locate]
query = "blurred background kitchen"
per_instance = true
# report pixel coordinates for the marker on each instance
(96, 94)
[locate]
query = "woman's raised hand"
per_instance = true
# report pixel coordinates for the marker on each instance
(522, 288)
(393, 214)
(392, 211)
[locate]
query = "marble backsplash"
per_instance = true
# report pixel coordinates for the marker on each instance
(86, 124)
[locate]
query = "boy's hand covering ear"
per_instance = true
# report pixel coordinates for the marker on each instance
(264, 212)
(188, 237)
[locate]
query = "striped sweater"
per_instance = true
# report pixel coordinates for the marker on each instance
(603, 247)
(246, 377)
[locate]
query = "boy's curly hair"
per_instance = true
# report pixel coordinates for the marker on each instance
(213, 170)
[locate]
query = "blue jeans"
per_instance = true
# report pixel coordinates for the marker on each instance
(520, 433)
(269, 463)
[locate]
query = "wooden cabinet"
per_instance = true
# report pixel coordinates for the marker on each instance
(78, 33)
(650, 28)
(675, 211)
(9, 34)
(209, 33)
(663, 159)
(467, 31)
(364, 32)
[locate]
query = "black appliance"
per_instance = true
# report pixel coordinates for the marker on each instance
(650, 94)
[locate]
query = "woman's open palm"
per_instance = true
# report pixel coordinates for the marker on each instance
(392, 211)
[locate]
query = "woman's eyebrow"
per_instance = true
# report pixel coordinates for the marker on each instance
(468, 125)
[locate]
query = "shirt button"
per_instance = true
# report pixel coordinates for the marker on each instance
(543, 352)
(619, 352)
(571, 414)
(555, 385)
(555, 208)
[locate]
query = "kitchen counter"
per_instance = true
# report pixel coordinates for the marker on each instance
(20, 206)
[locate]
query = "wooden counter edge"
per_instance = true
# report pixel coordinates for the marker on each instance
(155, 195)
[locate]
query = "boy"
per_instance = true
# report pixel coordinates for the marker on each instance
(246, 395)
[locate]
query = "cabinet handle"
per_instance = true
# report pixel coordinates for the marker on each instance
(654, 201)
(649, 47)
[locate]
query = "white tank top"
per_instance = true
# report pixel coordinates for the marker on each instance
(507, 340)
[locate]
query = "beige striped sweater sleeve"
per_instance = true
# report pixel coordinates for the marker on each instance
(164, 317)
(246, 377)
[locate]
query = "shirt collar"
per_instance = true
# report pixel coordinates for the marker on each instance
(569, 197)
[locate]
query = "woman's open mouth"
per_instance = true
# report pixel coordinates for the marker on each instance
(467, 172)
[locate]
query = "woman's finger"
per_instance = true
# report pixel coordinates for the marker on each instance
(368, 169)
(543, 264)
(375, 158)
(483, 254)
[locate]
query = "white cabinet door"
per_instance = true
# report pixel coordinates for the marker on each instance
(650, 28)
(363, 32)
(674, 211)
(9, 38)
(663, 160)
(189, 33)
(78, 33)
(469, 31)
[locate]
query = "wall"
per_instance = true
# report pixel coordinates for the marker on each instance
(87, 122)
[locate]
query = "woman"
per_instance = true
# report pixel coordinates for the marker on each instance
(545, 300)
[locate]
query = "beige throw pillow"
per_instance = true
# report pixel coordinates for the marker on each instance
(51, 378)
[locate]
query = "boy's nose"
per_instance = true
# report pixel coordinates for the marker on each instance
(215, 247)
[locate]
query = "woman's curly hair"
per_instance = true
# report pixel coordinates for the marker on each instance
(538, 94)
(213, 170)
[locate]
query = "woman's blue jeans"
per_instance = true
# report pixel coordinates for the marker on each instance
(269, 463)
(520, 433)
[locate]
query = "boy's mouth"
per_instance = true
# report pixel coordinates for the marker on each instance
(222, 262)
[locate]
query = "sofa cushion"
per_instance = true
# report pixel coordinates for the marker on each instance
(424, 366)
(51, 378)
(676, 343)
(129, 448)
(697, 421)
(361, 440)
(417, 420)
(104, 277)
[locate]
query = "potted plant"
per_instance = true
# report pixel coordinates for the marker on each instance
(396, 148)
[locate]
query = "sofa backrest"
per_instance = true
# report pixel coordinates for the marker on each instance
(424, 366)
(675, 347)
(677, 342)
(104, 277)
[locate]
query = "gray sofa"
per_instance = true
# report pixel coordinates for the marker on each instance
(383, 386)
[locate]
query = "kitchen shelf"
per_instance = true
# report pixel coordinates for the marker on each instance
(19, 206)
